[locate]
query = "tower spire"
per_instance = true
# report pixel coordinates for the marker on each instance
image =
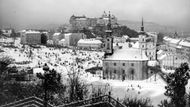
(109, 29)
(108, 40)
(142, 25)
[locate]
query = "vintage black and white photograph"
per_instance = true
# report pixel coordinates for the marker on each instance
(94, 53)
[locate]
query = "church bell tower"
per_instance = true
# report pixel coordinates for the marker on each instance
(108, 39)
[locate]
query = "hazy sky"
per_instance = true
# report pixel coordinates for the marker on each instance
(35, 12)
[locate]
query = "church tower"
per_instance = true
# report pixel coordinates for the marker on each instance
(108, 39)
(147, 43)
(142, 37)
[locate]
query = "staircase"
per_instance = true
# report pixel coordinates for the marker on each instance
(101, 101)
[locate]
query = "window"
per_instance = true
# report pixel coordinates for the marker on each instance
(114, 71)
(114, 64)
(123, 64)
(106, 64)
(123, 71)
(132, 64)
(108, 47)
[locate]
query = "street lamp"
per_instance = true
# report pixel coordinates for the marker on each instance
(46, 72)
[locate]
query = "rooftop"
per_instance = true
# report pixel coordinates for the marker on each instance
(184, 43)
(31, 31)
(56, 34)
(128, 54)
(89, 41)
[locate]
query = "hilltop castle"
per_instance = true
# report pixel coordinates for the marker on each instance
(80, 22)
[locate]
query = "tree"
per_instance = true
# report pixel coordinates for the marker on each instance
(124, 30)
(4, 62)
(1, 32)
(88, 33)
(134, 102)
(43, 39)
(160, 38)
(77, 89)
(51, 83)
(165, 103)
(176, 85)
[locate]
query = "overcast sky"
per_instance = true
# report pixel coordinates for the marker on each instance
(34, 12)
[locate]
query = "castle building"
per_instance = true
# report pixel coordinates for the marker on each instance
(128, 63)
(81, 22)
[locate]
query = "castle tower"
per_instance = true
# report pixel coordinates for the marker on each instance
(108, 39)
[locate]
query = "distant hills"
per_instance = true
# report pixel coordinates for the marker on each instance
(153, 27)
(149, 26)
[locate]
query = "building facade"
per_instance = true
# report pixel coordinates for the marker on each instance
(126, 64)
(33, 37)
(89, 44)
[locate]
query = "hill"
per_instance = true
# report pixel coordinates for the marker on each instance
(149, 26)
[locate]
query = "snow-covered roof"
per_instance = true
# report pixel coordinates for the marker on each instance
(160, 51)
(56, 34)
(162, 57)
(62, 40)
(172, 40)
(128, 54)
(136, 45)
(184, 43)
(135, 39)
(175, 41)
(126, 37)
(30, 31)
(152, 63)
(89, 41)
(167, 38)
(67, 34)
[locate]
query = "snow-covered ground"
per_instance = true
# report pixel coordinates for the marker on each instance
(141, 89)
(66, 60)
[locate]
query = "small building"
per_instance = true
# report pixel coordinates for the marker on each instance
(71, 39)
(57, 37)
(49, 42)
(89, 44)
(7, 32)
(62, 42)
(120, 39)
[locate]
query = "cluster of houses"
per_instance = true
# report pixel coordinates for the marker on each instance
(173, 52)
(34, 37)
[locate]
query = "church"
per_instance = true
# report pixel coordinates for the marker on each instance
(127, 62)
